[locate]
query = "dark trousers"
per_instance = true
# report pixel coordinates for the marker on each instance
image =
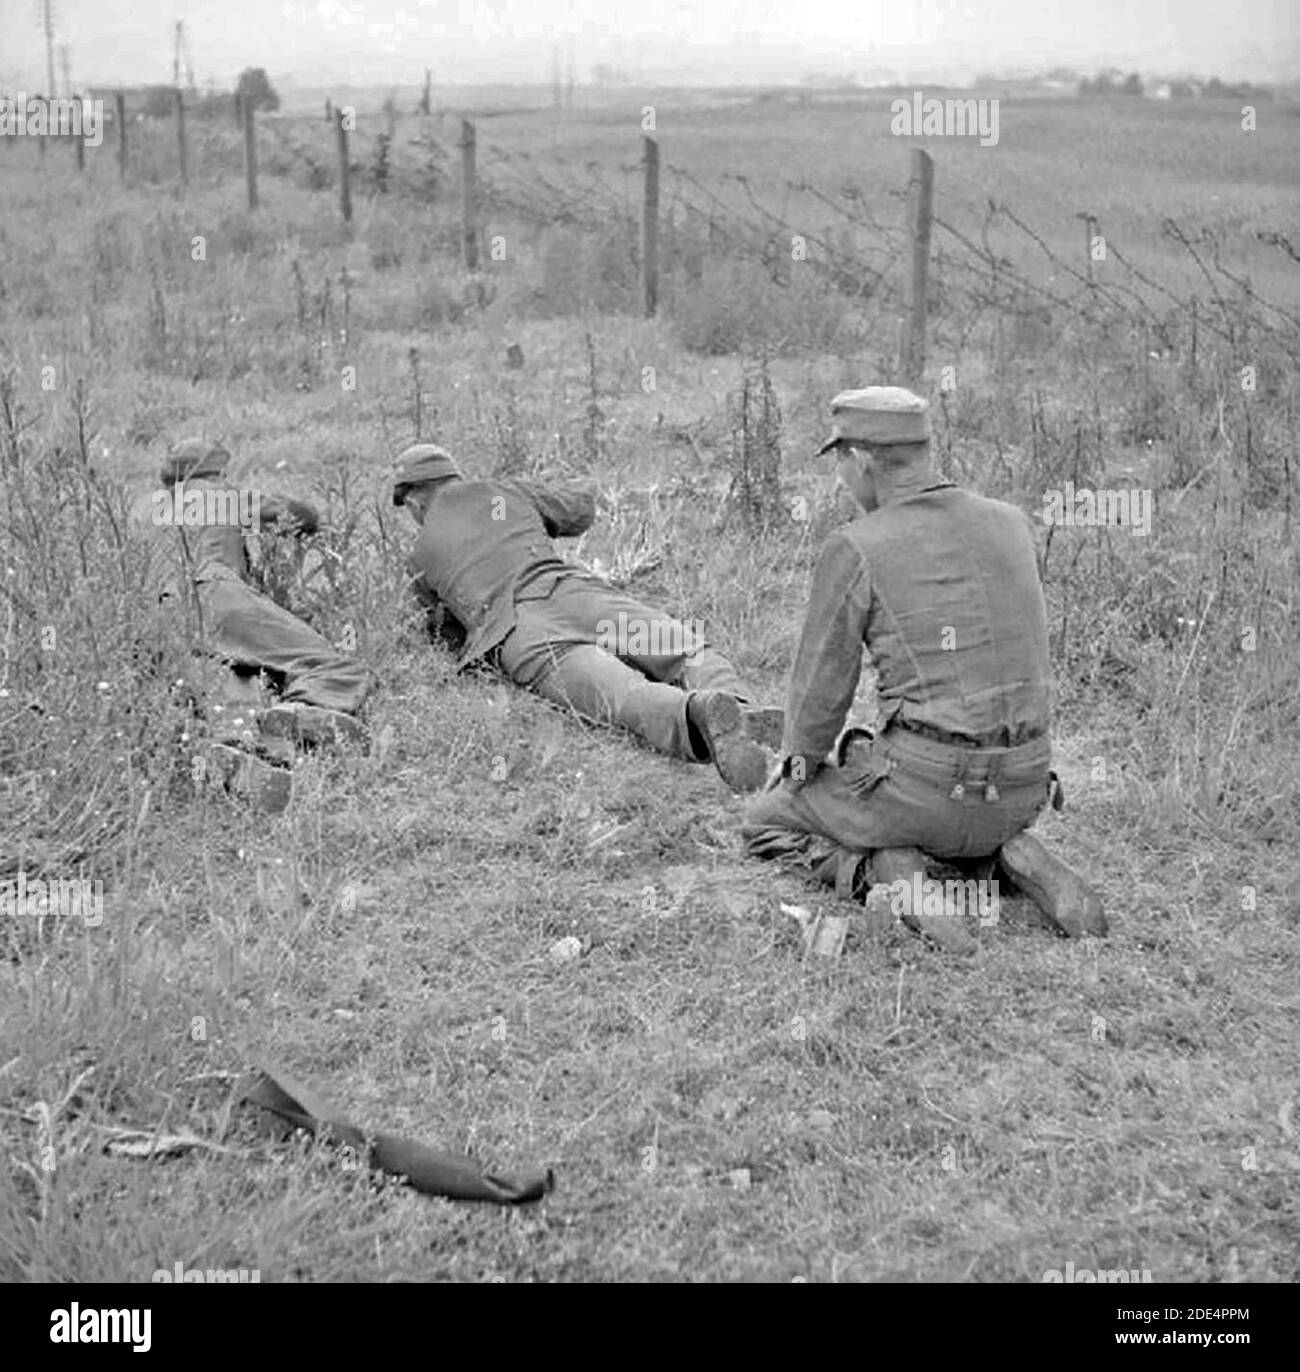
(640, 686)
(250, 631)
(901, 791)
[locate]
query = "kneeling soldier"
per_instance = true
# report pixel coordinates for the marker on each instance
(942, 587)
(485, 561)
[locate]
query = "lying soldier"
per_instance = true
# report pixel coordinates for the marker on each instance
(942, 587)
(484, 562)
(320, 689)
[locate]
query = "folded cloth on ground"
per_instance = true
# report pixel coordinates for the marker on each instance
(429, 1170)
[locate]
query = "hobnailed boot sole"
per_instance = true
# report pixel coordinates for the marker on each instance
(1055, 887)
(901, 864)
(741, 762)
(266, 787)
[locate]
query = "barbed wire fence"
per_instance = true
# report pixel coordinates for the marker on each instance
(976, 282)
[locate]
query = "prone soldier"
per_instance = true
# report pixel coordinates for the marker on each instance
(246, 635)
(484, 561)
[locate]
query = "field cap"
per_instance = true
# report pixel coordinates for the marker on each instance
(193, 457)
(422, 462)
(879, 415)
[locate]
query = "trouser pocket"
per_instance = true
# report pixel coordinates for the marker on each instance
(863, 762)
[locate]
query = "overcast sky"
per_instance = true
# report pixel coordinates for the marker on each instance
(722, 40)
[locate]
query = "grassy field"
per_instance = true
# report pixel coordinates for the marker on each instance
(715, 1106)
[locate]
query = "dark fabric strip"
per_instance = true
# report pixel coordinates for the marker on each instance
(429, 1170)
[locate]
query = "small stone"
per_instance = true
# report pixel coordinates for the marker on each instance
(740, 1179)
(567, 949)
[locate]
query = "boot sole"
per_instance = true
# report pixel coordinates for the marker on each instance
(266, 787)
(740, 762)
(1069, 903)
(900, 864)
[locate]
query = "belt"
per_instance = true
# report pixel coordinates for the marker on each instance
(1004, 737)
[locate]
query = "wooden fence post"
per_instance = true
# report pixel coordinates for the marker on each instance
(469, 195)
(345, 170)
(921, 214)
(650, 227)
(120, 106)
(180, 136)
(250, 152)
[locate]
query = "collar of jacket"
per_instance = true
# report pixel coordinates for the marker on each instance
(895, 486)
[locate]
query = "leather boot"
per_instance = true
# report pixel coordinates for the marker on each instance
(902, 864)
(244, 775)
(1072, 906)
(741, 762)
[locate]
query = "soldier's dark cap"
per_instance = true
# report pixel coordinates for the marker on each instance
(878, 416)
(419, 463)
(192, 458)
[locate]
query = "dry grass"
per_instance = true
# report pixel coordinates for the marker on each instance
(895, 1115)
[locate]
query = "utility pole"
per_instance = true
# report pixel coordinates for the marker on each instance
(47, 7)
(182, 61)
